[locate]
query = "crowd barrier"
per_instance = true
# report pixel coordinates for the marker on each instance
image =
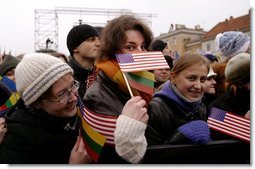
(215, 152)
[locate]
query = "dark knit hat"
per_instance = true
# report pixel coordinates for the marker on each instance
(9, 63)
(79, 34)
(238, 68)
(169, 61)
(158, 45)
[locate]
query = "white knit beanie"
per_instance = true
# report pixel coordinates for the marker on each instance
(231, 43)
(36, 73)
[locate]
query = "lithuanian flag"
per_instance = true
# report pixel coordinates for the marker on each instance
(135, 66)
(142, 81)
(94, 141)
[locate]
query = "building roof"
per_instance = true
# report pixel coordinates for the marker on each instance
(241, 23)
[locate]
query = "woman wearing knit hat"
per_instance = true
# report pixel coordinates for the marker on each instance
(43, 127)
(109, 96)
(237, 96)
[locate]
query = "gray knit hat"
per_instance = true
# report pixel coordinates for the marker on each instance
(9, 62)
(238, 68)
(36, 73)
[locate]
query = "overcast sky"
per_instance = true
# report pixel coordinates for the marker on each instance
(17, 16)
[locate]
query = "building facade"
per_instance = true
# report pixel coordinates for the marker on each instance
(186, 40)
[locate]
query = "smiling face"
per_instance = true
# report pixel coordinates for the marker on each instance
(190, 82)
(66, 109)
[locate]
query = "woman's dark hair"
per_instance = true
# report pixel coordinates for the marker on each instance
(113, 35)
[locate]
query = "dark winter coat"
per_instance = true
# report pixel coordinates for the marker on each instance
(35, 137)
(104, 97)
(80, 74)
(167, 113)
(238, 103)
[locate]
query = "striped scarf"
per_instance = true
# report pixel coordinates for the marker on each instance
(112, 71)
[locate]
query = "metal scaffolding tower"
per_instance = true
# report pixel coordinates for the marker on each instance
(46, 29)
(46, 22)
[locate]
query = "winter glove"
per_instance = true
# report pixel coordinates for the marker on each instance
(196, 131)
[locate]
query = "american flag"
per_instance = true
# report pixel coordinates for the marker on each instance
(229, 123)
(142, 61)
(103, 124)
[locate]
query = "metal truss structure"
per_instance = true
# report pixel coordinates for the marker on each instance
(46, 22)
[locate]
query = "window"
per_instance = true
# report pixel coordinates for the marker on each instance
(208, 47)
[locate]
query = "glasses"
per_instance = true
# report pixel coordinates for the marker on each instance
(66, 96)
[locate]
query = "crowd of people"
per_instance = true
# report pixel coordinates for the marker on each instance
(43, 125)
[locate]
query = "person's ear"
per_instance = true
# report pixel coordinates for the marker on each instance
(76, 50)
(173, 78)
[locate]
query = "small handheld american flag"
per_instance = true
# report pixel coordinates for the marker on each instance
(229, 123)
(141, 61)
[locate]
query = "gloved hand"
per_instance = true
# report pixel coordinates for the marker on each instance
(196, 131)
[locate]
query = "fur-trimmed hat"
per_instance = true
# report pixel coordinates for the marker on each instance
(36, 73)
(8, 63)
(232, 43)
(211, 73)
(238, 68)
(79, 34)
(158, 45)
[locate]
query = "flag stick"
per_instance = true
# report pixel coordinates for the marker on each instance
(129, 89)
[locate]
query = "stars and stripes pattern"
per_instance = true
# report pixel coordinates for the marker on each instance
(229, 123)
(103, 124)
(141, 61)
